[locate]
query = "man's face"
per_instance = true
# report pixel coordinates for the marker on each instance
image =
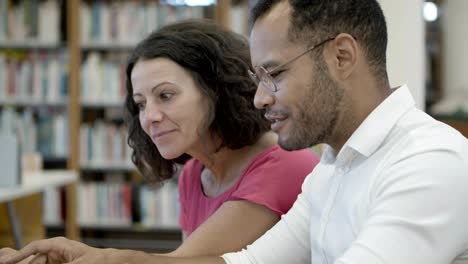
(305, 108)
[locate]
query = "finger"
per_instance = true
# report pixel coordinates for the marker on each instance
(39, 259)
(36, 247)
(6, 251)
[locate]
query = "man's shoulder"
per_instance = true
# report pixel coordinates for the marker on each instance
(417, 132)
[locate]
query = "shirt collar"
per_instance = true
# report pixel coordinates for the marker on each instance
(374, 129)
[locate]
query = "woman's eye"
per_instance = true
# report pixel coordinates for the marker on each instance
(140, 106)
(166, 96)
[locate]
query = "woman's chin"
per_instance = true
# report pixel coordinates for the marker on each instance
(170, 155)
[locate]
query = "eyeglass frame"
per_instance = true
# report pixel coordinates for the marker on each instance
(267, 73)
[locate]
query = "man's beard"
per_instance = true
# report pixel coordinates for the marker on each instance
(315, 117)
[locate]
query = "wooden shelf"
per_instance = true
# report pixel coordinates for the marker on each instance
(31, 46)
(32, 103)
(107, 47)
(102, 104)
(108, 166)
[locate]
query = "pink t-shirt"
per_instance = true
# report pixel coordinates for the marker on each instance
(273, 179)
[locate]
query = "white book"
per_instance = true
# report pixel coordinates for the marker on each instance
(7, 123)
(117, 146)
(16, 25)
(9, 160)
(51, 205)
(54, 80)
(115, 83)
(30, 140)
(3, 77)
(3, 20)
(60, 135)
(105, 37)
(152, 17)
(167, 205)
(84, 144)
(36, 79)
(49, 22)
(92, 201)
(20, 82)
(85, 23)
(238, 18)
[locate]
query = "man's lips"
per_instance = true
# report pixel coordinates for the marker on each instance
(276, 120)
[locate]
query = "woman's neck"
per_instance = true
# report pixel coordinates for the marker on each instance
(226, 166)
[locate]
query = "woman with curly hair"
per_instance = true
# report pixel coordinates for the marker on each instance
(190, 100)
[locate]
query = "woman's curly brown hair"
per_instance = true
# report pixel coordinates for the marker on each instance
(218, 61)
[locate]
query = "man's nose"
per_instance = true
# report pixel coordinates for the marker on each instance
(263, 97)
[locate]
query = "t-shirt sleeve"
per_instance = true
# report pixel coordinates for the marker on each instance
(286, 242)
(275, 180)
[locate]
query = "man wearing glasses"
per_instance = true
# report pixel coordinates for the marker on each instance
(391, 184)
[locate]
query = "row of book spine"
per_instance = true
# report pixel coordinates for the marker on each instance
(104, 143)
(127, 22)
(29, 21)
(44, 131)
(103, 78)
(117, 204)
(33, 77)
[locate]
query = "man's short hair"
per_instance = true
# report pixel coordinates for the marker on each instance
(312, 21)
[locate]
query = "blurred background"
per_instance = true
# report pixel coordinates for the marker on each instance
(62, 88)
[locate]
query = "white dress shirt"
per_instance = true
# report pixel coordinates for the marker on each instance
(397, 192)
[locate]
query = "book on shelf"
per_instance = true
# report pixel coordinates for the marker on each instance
(103, 79)
(127, 22)
(33, 77)
(29, 21)
(52, 206)
(110, 204)
(47, 133)
(104, 143)
(238, 18)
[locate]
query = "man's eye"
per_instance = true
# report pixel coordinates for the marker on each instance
(276, 74)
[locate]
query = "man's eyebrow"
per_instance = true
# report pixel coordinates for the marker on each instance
(269, 64)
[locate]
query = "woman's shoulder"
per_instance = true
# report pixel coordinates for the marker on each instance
(277, 156)
(276, 161)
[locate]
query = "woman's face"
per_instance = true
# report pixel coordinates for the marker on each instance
(172, 108)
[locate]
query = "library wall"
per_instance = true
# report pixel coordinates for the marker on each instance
(406, 46)
(455, 41)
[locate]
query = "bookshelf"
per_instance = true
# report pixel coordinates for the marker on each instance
(85, 102)
(35, 87)
(105, 166)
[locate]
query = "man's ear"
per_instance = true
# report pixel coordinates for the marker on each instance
(342, 55)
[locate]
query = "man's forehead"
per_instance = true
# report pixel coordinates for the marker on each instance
(270, 34)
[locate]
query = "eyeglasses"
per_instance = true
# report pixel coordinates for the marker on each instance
(265, 77)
